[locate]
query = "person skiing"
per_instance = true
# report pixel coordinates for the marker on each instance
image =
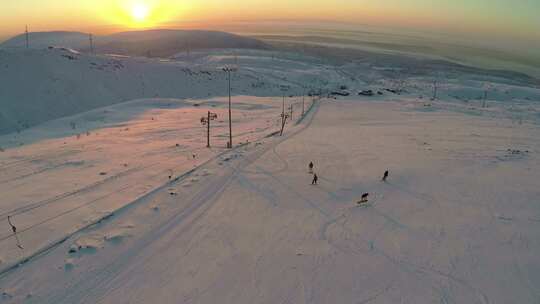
(364, 198)
(385, 176)
(315, 179)
(310, 166)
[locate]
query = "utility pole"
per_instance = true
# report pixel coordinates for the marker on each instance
(208, 131)
(91, 39)
(229, 70)
(283, 122)
(230, 112)
(27, 37)
(303, 102)
(206, 121)
(283, 117)
(291, 110)
(283, 111)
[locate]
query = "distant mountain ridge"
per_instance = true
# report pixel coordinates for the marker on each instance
(150, 43)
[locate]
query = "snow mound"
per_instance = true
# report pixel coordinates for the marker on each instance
(204, 172)
(117, 235)
(87, 244)
(69, 264)
(6, 295)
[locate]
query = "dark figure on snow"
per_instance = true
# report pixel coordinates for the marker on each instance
(385, 176)
(310, 166)
(364, 198)
(315, 179)
(12, 226)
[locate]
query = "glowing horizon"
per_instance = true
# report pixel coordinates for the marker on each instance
(490, 18)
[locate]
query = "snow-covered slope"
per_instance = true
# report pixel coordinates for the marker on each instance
(40, 85)
(457, 221)
(125, 204)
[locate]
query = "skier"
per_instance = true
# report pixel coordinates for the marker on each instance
(385, 176)
(364, 198)
(310, 166)
(315, 179)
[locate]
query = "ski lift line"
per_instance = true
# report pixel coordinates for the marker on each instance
(76, 208)
(42, 203)
(32, 206)
(161, 173)
(25, 209)
(65, 212)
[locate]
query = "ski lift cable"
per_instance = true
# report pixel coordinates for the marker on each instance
(84, 204)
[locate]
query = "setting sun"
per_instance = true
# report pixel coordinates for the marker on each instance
(139, 12)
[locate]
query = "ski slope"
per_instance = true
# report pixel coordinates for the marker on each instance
(457, 221)
(121, 202)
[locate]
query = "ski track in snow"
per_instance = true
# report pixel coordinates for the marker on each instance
(197, 208)
(403, 265)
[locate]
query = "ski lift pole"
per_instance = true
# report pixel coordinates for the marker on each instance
(208, 132)
(283, 110)
(283, 122)
(206, 121)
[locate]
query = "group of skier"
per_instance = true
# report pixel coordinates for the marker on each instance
(364, 196)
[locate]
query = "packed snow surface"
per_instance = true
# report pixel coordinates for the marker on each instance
(125, 204)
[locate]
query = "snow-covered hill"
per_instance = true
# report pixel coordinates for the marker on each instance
(150, 43)
(40, 85)
(41, 40)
